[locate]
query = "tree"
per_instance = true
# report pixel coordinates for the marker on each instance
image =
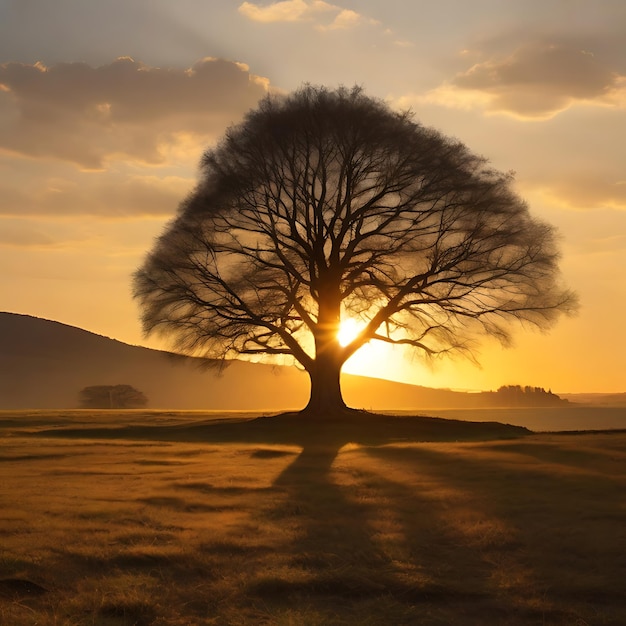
(516, 395)
(112, 397)
(325, 204)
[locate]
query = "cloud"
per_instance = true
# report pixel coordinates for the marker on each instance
(537, 81)
(347, 19)
(301, 10)
(404, 43)
(584, 191)
(86, 115)
(285, 11)
(109, 195)
(24, 235)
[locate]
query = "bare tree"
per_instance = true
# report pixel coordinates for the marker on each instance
(325, 204)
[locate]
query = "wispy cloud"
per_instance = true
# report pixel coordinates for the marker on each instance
(347, 19)
(113, 194)
(584, 190)
(326, 16)
(21, 234)
(286, 10)
(535, 82)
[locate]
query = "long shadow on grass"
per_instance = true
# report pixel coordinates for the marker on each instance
(337, 551)
(549, 541)
(432, 533)
(338, 557)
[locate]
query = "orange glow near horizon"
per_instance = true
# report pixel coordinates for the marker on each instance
(379, 360)
(375, 358)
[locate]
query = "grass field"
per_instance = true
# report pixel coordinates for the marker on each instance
(181, 519)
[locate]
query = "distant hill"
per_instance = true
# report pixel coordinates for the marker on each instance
(45, 364)
(597, 399)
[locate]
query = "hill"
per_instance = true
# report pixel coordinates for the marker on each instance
(597, 399)
(45, 364)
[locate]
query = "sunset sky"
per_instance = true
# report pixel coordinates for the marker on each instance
(106, 107)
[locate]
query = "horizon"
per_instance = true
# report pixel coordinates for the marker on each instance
(102, 131)
(363, 375)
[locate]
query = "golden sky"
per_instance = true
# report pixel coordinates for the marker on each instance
(106, 107)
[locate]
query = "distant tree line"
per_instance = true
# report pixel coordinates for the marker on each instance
(112, 397)
(516, 395)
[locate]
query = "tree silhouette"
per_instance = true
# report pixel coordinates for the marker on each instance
(325, 204)
(112, 397)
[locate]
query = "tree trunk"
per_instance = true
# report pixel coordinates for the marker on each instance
(325, 399)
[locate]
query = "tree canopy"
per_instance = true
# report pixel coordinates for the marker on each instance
(112, 397)
(326, 203)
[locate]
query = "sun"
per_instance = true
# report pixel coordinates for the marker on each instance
(348, 330)
(375, 358)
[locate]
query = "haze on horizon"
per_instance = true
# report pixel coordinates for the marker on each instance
(106, 108)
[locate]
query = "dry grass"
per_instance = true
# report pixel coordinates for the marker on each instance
(137, 528)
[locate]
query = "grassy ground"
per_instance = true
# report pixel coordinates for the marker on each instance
(176, 519)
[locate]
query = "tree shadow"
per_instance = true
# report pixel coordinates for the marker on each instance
(342, 559)
(546, 543)
(457, 546)
(347, 562)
